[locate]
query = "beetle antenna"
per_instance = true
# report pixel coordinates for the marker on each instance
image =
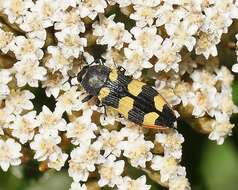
(98, 60)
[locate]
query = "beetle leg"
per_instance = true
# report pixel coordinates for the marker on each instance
(87, 98)
(98, 103)
(98, 60)
(122, 69)
(105, 111)
(101, 61)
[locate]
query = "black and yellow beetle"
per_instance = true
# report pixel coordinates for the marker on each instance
(135, 100)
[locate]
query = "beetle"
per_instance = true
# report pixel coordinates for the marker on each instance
(133, 99)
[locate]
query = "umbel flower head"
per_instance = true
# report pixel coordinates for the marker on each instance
(169, 44)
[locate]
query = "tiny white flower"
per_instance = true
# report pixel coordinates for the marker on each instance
(91, 8)
(182, 37)
(200, 102)
(57, 61)
(32, 24)
(138, 151)
(27, 48)
(206, 44)
(47, 10)
(184, 92)
(228, 7)
(193, 20)
(170, 17)
(111, 142)
(110, 171)
(45, 147)
(18, 101)
(222, 112)
(146, 39)
(143, 15)
(58, 161)
(166, 15)
(70, 101)
(29, 72)
(70, 19)
(111, 33)
(171, 143)
(135, 62)
(220, 131)
(24, 126)
(51, 122)
(131, 130)
(82, 129)
(14, 9)
(83, 160)
(168, 167)
(202, 79)
(168, 57)
(129, 184)
(70, 42)
(9, 153)
(215, 21)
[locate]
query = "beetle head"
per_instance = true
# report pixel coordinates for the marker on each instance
(93, 78)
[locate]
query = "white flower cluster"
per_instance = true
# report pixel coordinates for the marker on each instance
(210, 94)
(130, 143)
(45, 40)
(195, 25)
(23, 127)
(168, 165)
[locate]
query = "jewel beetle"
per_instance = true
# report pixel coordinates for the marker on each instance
(133, 99)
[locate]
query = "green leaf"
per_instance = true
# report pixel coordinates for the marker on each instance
(9, 181)
(219, 167)
(235, 92)
(57, 180)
